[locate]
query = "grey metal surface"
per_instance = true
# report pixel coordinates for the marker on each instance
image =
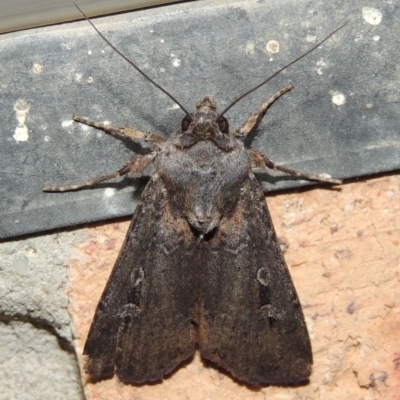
(341, 118)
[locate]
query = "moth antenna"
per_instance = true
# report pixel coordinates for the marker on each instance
(280, 70)
(132, 63)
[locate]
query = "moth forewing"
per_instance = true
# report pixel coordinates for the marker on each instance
(201, 264)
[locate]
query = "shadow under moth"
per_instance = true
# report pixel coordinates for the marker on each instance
(200, 266)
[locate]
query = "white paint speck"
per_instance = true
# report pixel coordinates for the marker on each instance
(89, 52)
(175, 107)
(271, 59)
(103, 51)
(371, 15)
(21, 107)
(369, 105)
(21, 132)
(375, 38)
(176, 62)
(67, 123)
(338, 99)
(47, 138)
(250, 48)
(161, 40)
(151, 31)
(162, 69)
(109, 192)
(90, 80)
(78, 77)
(311, 38)
(272, 47)
(37, 69)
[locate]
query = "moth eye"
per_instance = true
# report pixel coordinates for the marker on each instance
(223, 125)
(186, 123)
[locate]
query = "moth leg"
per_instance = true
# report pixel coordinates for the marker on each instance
(264, 162)
(121, 132)
(135, 167)
(255, 119)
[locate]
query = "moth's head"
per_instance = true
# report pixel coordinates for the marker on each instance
(204, 121)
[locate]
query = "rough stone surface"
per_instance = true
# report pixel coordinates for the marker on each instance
(37, 357)
(34, 365)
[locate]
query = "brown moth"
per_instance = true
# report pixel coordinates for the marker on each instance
(200, 266)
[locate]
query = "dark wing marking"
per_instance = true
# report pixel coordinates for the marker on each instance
(142, 327)
(251, 321)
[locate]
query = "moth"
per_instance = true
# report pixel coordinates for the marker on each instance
(200, 266)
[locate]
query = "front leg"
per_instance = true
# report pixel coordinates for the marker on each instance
(136, 169)
(120, 133)
(264, 162)
(255, 119)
